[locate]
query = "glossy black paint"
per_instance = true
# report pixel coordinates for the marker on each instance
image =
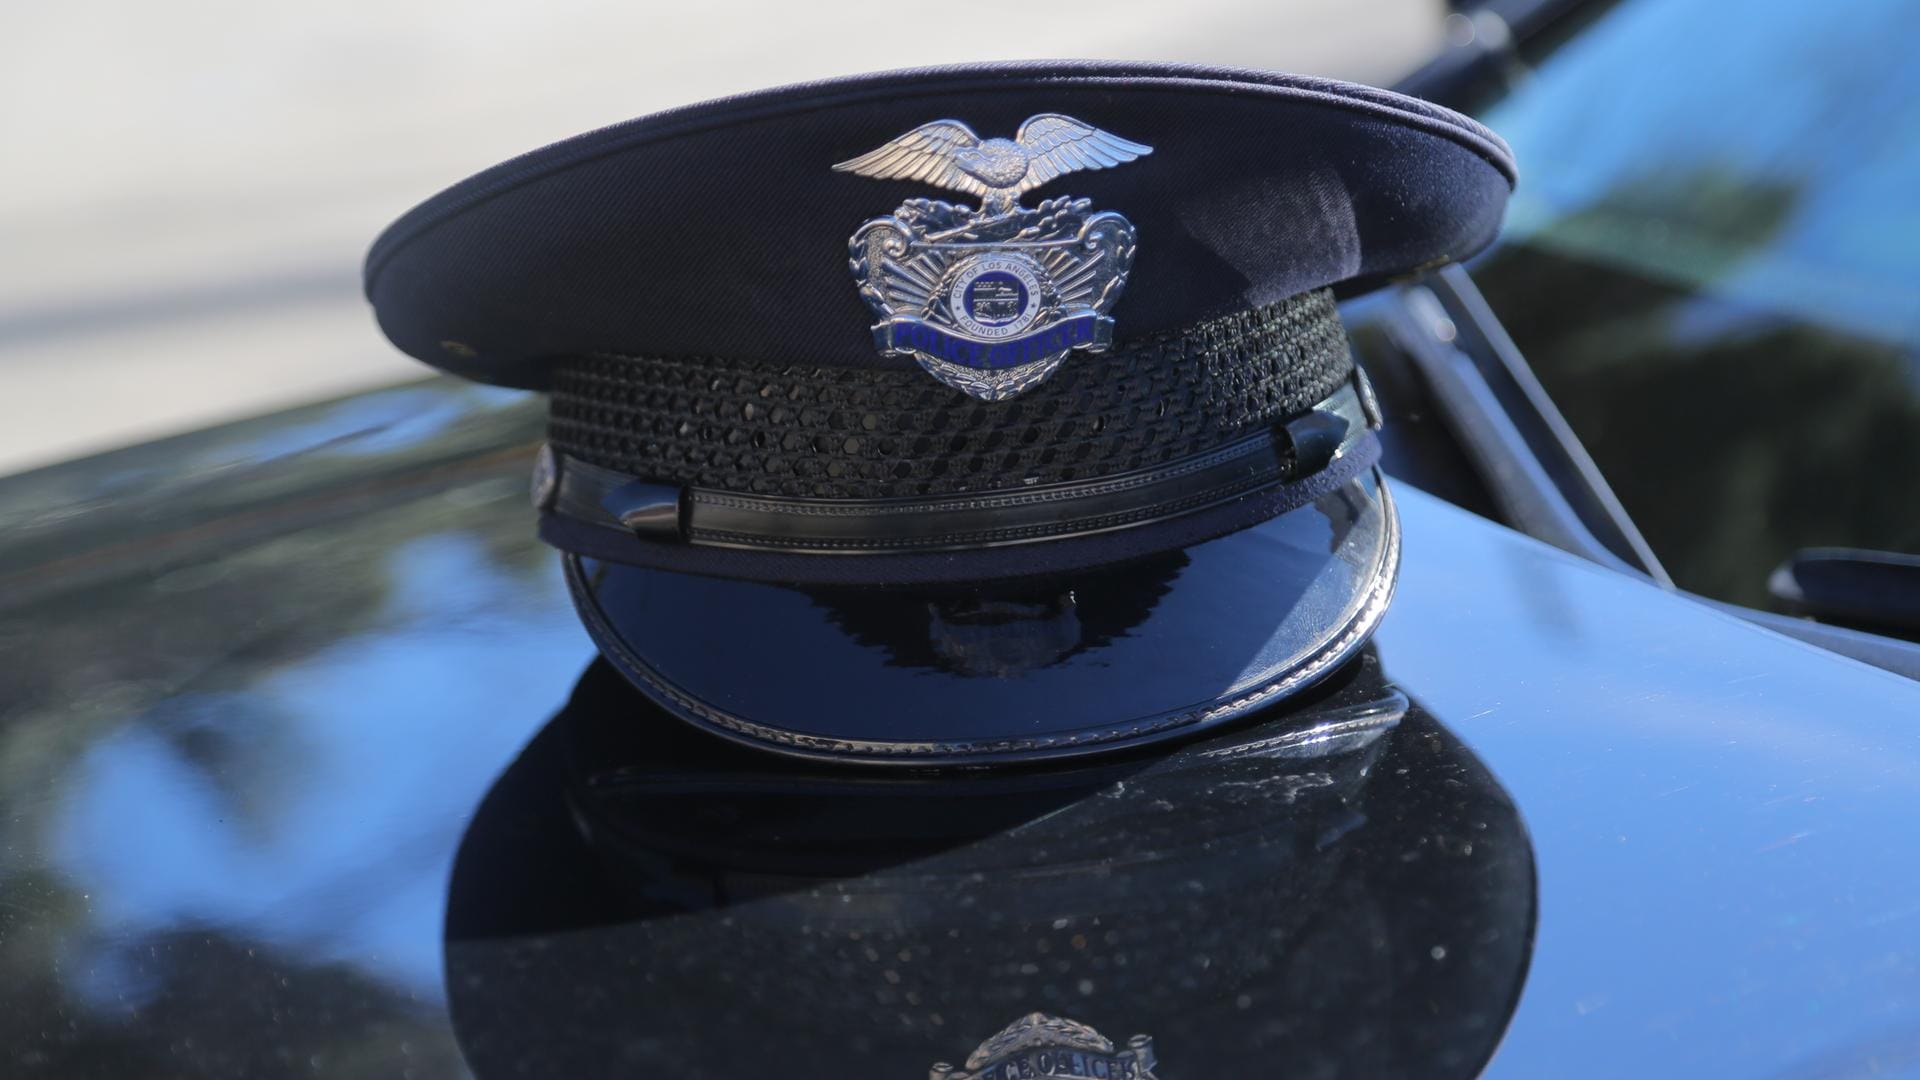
(261, 680)
(1349, 897)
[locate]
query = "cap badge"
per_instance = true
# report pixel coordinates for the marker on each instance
(990, 301)
(1038, 1045)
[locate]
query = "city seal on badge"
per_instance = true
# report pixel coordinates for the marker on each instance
(1037, 1046)
(991, 300)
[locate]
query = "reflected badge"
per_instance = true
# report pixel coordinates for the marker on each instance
(1038, 1045)
(991, 300)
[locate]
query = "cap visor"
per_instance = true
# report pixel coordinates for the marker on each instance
(1014, 670)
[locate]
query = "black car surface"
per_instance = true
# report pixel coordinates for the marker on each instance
(285, 791)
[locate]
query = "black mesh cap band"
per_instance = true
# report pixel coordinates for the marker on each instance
(838, 433)
(783, 473)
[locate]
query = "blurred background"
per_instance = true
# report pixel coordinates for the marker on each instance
(1712, 260)
(189, 188)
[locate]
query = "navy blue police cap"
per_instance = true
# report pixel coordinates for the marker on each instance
(958, 415)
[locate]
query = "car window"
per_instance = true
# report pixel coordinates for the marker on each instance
(1713, 261)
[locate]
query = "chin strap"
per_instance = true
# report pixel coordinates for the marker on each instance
(603, 513)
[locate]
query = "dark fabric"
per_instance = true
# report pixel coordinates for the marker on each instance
(721, 229)
(821, 432)
(1050, 557)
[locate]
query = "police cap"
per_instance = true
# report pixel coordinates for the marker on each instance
(958, 415)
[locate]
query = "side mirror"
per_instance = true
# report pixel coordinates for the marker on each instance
(1870, 590)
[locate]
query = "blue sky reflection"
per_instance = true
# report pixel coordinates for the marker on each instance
(317, 811)
(1656, 139)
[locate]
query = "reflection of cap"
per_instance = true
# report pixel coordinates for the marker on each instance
(1346, 891)
(868, 396)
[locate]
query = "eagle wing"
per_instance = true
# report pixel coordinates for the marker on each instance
(1057, 144)
(924, 154)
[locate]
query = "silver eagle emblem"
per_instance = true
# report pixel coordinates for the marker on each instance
(1038, 1045)
(991, 300)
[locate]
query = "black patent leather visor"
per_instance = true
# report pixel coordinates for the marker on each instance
(1012, 670)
